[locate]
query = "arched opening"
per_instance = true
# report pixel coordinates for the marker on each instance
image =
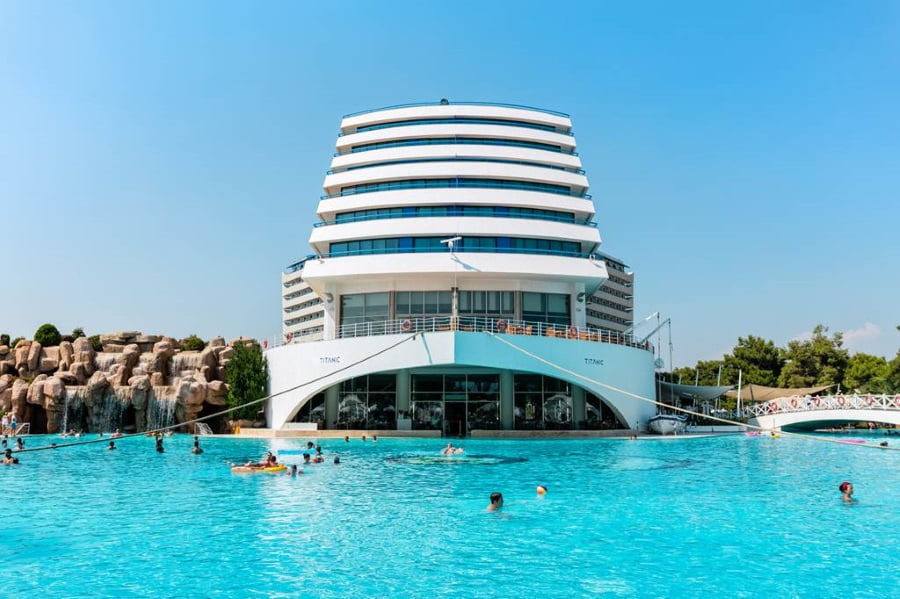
(129, 420)
(598, 415)
(37, 416)
(218, 424)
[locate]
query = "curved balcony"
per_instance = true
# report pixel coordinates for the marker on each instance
(479, 324)
(465, 196)
(456, 174)
(455, 140)
(507, 112)
(457, 105)
(450, 153)
(460, 212)
(406, 132)
(471, 229)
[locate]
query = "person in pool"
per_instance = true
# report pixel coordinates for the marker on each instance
(196, 449)
(450, 450)
(847, 489)
(496, 502)
(112, 445)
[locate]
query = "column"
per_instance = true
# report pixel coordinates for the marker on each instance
(403, 402)
(506, 400)
(332, 397)
(578, 409)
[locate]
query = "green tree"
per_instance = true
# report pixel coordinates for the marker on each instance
(4, 339)
(247, 376)
(820, 360)
(77, 332)
(192, 343)
(757, 359)
(892, 375)
(47, 335)
(95, 342)
(866, 373)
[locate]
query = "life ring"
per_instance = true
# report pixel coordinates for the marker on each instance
(406, 325)
(897, 401)
(869, 400)
(501, 325)
(794, 402)
(573, 332)
(288, 337)
(773, 407)
(840, 400)
(816, 401)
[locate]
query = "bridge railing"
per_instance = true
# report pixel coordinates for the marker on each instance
(811, 403)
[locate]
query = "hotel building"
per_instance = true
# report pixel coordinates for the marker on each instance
(456, 284)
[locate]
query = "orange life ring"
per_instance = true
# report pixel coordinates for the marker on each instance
(573, 332)
(840, 400)
(406, 325)
(501, 325)
(794, 402)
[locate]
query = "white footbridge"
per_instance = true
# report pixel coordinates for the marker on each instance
(822, 411)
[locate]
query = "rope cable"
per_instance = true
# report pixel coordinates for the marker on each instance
(222, 412)
(679, 409)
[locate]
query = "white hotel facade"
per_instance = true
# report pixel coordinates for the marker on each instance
(456, 284)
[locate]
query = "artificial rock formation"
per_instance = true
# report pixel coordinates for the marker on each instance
(138, 380)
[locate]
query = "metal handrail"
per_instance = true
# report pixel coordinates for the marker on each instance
(455, 159)
(495, 104)
(460, 250)
(343, 221)
(404, 185)
(470, 324)
(445, 141)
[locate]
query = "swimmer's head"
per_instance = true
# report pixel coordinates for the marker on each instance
(496, 498)
(845, 486)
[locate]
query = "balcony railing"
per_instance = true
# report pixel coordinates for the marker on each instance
(471, 324)
(457, 214)
(812, 403)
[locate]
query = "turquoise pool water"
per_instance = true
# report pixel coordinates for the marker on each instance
(724, 516)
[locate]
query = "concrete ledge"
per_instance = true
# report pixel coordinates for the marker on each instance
(493, 434)
(269, 433)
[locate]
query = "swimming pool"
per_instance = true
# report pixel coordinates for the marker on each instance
(731, 516)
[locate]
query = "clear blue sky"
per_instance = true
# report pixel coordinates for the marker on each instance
(160, 162)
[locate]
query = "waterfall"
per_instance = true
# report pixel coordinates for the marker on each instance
(73, 413)
(183, 364)
(105, 361)
(160, 411)
(108, 414)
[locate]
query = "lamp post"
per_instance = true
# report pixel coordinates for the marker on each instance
(454, 291)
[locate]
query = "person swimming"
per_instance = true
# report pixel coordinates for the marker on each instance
(196, 449)
(847, 489)
(496, 502)
(450, 450)
(112, 445)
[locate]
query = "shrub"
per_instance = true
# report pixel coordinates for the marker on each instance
(192, 343)
(47, 335)
(15, 341)
(77, 332)
(4, 339)
(95, 342)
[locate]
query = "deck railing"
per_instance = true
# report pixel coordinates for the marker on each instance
(811, 403)
(470, 324)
